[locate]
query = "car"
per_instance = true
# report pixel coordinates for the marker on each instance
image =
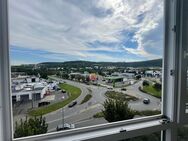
(123, 89)
(44, 103)
(110, 88)
(65, 127)
(72, 104)
(58, 89)
(146, 101)
(63, 91)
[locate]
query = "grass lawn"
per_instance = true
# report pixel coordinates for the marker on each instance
(119, 95)
(98, 115)
(86, 98)
(147, 112)
(141, 113)
(152, 91)
(73, 92)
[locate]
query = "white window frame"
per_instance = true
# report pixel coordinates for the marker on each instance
(111, 131)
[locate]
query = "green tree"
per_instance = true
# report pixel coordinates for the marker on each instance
(65, 76)
(145, 83)
(157, 86)
(31, 126)
(117, 110)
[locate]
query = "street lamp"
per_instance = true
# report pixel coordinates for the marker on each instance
(63, 114)
(63, 117)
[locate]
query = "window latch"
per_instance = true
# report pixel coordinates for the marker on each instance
(165, 120)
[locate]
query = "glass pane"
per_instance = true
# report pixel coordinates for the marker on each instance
(83, 63)
(150, 137)
(182, 133)
(184, 61)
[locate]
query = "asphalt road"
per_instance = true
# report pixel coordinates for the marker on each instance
(155, 103)
(78, 112)
(81, 115)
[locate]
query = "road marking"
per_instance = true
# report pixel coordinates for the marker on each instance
(91, 107)
(81, 111)
(82, 121)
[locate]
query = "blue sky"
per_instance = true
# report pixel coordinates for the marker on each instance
(92, 30)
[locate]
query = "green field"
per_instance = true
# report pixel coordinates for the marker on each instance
(119, 95)
(73, 92)
(152, 91)
(87, 97)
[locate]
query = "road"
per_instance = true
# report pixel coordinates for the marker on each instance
(81, 115)
(79, 112)
(155, 103)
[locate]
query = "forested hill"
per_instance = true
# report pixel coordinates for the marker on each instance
(149, 63)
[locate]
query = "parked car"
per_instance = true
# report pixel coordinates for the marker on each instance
(72, 104)
(110, 88)
(146, 101)
(40, 104)
(63, 91)
(65, 127)
(123, 89)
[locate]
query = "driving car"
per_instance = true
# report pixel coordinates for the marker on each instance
(146, 101)
(72, 104)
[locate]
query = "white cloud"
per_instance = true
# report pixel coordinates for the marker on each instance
(63, 26)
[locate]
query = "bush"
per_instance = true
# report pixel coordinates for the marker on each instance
(29, 127)
(157, 86)
(117, 110)
(145, 83)
(138, 77)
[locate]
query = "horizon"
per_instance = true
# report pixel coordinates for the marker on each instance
(104, 31)
(87, 61)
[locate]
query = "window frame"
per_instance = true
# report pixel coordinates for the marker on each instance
(183, 67)
(170, 89)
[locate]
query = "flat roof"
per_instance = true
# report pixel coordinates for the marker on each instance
(114, 77)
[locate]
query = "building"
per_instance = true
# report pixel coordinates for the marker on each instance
(25, 88)
(112, 79)
(92, 77)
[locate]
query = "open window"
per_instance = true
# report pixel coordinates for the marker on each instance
(61, 98)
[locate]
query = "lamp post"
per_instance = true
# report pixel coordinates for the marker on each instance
(63, 117)
(63, 121)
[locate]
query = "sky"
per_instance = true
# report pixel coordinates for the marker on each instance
(91, 30)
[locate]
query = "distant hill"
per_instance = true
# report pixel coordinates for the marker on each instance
(148, 63)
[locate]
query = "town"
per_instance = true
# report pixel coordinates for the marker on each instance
(72, 97)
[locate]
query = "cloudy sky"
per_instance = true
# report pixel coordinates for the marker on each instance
(92, 30)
